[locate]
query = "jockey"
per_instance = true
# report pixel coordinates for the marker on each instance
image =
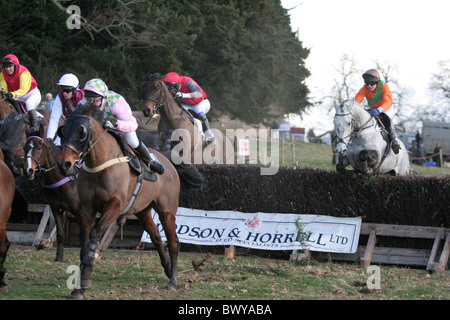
(17, 81)
(192, 97)
(117, 115)
(379, 98)
(65, 102)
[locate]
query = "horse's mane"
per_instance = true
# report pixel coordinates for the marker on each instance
(90, 111)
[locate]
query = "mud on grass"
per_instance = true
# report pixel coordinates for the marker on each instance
(132, 275)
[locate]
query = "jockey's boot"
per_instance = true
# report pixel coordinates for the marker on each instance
(34, 127)
(150, 158)
(394, 145)
(209, 136)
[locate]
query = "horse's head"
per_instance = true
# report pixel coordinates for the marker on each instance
(76, 136)
(34, 150)
(156, 94)
(343, 125)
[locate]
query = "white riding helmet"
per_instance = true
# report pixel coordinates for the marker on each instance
(68, 80)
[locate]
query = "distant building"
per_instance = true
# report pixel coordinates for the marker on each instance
(298, 134)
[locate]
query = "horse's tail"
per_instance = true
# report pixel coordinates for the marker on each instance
(190, 176)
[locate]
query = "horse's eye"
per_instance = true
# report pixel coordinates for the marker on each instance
(82, 132)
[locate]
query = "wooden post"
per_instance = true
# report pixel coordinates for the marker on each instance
(445, 254)
(365, 262)
(293, 150)
(432, 265)
(229, 252)
(441, 158)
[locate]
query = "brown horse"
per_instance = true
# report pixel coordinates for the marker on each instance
(60, 191)
(13, 133)
(7, 190)
(107, 185)
(186, 134)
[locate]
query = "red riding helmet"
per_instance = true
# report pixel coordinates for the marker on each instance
(172, 80)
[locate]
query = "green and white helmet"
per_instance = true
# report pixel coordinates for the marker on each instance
(97, 86)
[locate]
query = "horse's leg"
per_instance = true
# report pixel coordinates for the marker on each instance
(167, 218)
(60, 218)
(342, 164)
(86, 223)
(109, 215)
(4, 246)
(149, 226)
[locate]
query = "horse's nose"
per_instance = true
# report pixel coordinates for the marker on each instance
(29, 173)
(65, 167)
(341, 149)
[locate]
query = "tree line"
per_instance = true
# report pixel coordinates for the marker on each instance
(242, 52)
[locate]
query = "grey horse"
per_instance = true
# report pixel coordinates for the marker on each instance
(360, 143)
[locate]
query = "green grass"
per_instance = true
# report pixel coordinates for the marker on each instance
(133, 275)
(319, 156)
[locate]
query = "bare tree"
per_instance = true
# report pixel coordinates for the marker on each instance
(344, 83)
(440, 82)
(118, 20)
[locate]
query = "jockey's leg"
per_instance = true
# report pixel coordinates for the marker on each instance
(34, 127)
(32, 100)
(202, 109)
(394, 145)
(148, 157)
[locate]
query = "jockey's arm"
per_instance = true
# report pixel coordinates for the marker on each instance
(25, 85)
(195, 91)
(54, 118)
(386, 98)
(3, 84)
(126, 122)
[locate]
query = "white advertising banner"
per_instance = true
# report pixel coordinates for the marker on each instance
(269, 231)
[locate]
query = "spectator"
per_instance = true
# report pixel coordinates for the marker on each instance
(49, 103)
(437, 152)
(421, 155)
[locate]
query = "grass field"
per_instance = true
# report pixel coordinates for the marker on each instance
(138, 275)
(319, 156)
(131, 275)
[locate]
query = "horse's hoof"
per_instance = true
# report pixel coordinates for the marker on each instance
(77, 295)
(4, 289)
(171, 287)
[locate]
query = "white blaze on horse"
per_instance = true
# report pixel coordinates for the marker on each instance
(360, 143)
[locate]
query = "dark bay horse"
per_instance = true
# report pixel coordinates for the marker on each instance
(106, 185)
(185, 135)
(13, 133)
(7, 190)
(60, 191)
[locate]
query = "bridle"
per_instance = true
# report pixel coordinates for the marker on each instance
(30, 157)
(353, 133)
(157, 102)
(84, 145)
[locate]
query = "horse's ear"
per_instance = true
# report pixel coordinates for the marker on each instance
(41, 130)
(60, 132)
(155, 76)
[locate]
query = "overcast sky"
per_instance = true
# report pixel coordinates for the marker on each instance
(412, 35)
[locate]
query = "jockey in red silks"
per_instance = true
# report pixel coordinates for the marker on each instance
(68, 98)
(192, 98)
(18, 83)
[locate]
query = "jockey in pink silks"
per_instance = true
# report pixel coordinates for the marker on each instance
(117, 115)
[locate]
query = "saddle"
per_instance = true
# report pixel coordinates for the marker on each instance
(137, 165)
(18, 106)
